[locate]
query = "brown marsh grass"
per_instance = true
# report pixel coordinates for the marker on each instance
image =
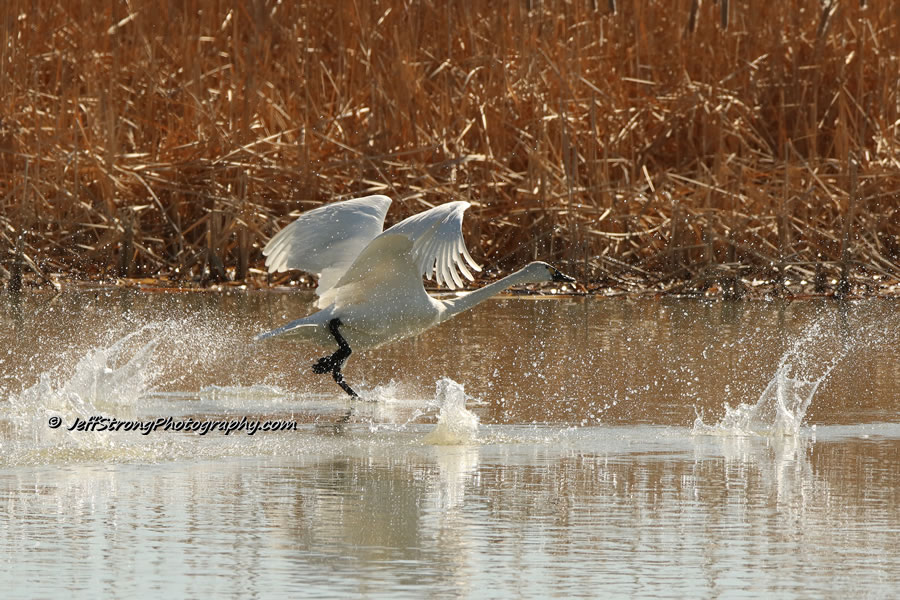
(682, 144)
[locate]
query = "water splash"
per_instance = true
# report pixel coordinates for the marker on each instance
(806, 364)
(778, 412)
(107, 380)
(456, 424)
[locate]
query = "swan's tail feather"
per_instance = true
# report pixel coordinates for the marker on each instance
(293, 329)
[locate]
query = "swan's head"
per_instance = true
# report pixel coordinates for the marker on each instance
(541, 271)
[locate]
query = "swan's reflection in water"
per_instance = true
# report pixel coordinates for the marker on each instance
(534, 511)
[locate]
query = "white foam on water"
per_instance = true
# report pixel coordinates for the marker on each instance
(456, 424)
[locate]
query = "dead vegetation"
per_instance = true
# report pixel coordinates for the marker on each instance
(680, 145)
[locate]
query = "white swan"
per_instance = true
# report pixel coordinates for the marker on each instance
(370, 283)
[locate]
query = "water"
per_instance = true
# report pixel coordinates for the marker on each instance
(530, 448)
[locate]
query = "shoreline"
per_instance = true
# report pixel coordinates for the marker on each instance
(743, 289)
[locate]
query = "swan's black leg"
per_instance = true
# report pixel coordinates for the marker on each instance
(334, 362)
(339, 378)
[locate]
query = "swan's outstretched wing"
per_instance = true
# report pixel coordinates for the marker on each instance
(325, 241)
(439, 250)
(383, 269)
(429, 243)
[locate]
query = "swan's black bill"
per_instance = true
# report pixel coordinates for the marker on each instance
(559, 276)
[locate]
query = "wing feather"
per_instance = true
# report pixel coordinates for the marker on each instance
(326, 240)
(439, 251)
(429, 243)
(383, 267)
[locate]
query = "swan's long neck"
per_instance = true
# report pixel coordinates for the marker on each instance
(455, 306)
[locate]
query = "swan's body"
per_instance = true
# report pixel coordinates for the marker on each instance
(370, 282)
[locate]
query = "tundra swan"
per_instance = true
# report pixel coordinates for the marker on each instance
(370, 288)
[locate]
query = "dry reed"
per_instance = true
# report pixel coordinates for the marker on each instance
(651, 144)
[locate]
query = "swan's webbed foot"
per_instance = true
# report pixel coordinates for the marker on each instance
(334, 362)
(325, 364)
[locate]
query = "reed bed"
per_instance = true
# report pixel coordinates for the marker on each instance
(675, 145)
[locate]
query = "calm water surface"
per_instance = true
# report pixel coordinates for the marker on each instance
(527, 449)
